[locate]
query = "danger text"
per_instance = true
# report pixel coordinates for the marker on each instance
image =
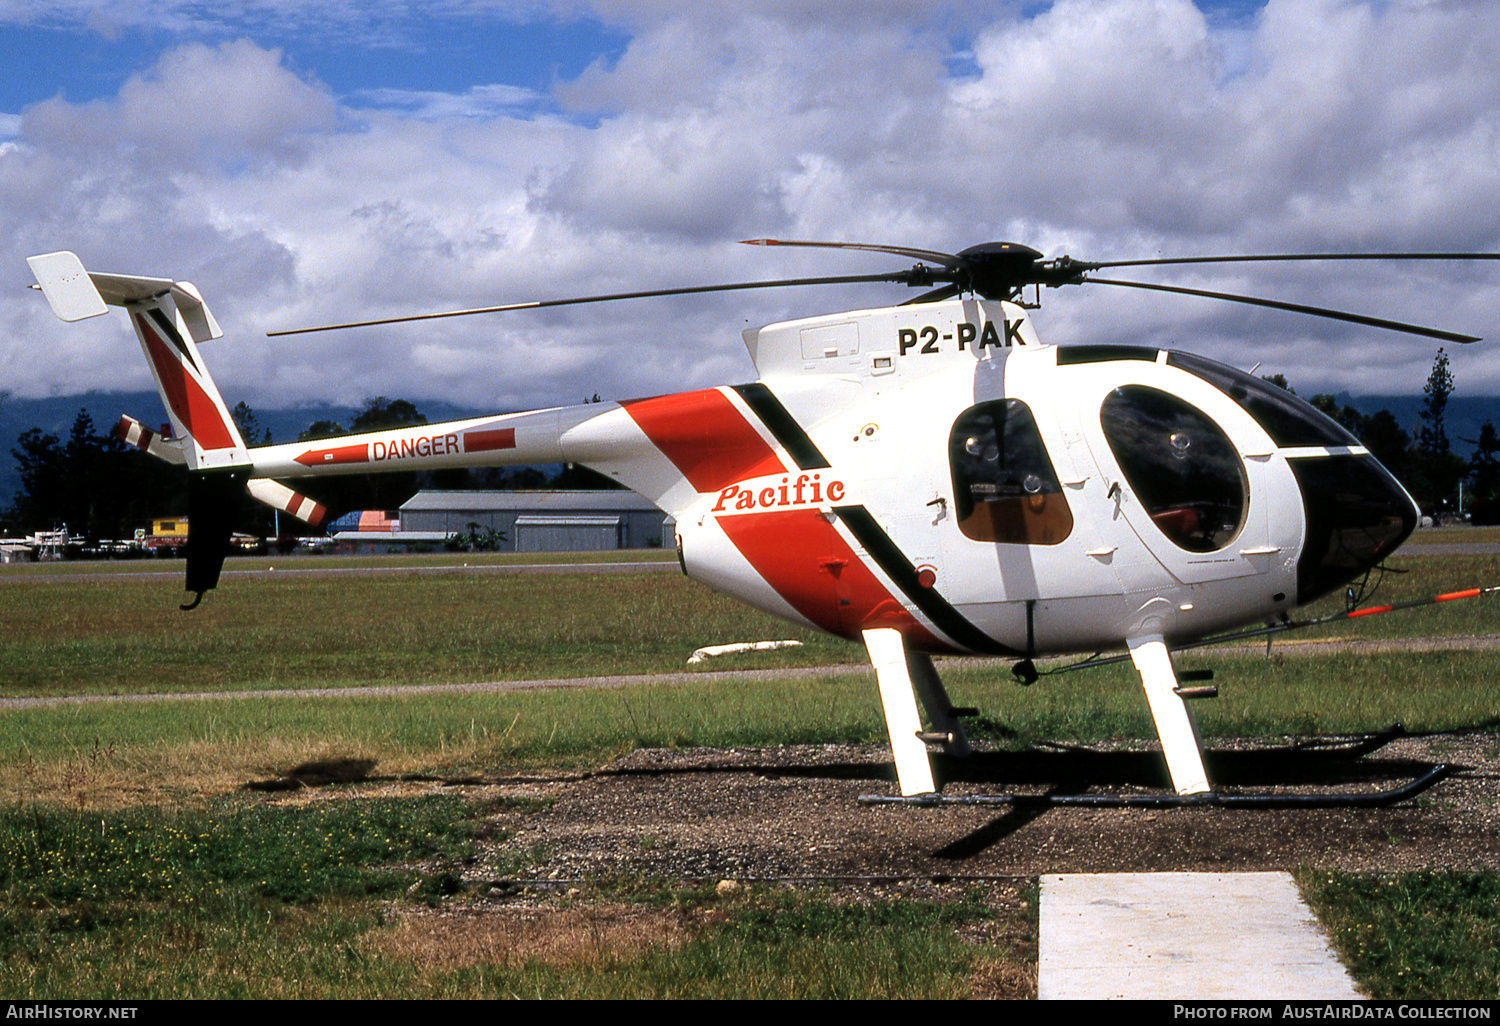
(406, 448)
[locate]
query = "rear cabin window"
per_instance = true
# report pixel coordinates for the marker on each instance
(1004, 487)
(1180, 464)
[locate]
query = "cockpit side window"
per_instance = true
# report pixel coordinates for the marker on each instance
(1288, 420)
(1004, 487)
(1180, 464)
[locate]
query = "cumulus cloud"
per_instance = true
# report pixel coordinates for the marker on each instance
(482, 101)
(226, 104)
(1107, 128)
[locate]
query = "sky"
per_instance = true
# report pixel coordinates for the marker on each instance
(311, 163)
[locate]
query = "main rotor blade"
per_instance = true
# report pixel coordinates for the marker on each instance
(1315, 311)
(896, 276)
(1089, 265)
(935, 296)
(948, 260)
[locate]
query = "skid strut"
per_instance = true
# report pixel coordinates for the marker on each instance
(1174, 723)
(904, 675)
(898, 701)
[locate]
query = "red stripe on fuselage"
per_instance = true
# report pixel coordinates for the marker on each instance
(486, 441)
(705, 437)
(812, 567)
(198, 413)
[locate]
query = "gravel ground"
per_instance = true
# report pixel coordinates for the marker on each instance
(793, 812)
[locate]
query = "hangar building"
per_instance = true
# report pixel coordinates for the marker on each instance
(560, 521)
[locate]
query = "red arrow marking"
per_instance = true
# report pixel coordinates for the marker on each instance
(341, 454)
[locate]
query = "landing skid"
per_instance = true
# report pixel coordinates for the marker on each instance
(1325, 800)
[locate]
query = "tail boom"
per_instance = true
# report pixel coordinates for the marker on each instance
(518, 438)
(684, 452)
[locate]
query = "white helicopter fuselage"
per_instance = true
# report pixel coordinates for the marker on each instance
(880, 396)
(834, 490)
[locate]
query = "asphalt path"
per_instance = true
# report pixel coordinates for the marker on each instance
(611, 567)
(1451, 549)
(1295, 647)
(619, 567)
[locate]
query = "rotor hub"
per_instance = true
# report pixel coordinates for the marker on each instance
(999, 270)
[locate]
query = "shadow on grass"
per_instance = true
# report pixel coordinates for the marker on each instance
(318, 773)
(1329, 769)
(1032, 778)
(1072, 769)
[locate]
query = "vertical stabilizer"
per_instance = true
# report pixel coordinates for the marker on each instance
(170, 319)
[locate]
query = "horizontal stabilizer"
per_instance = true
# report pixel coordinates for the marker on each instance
(75, 294)
(66, 285)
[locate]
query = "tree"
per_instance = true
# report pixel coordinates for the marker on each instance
(1389, 443)
(476, 538)
(39, 461)
(1379, 432)
(250, 431)
(87, 491)
(381, 414)
(1484, 475)
(1350, 419)
(1433, 436)
(68, 484)
(91, 484)
(321, 429)
(1439, 468)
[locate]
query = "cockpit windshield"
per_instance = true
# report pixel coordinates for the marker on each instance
(1288, 420)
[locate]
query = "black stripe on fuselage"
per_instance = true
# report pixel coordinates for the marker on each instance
(893, 562)
(783, 426)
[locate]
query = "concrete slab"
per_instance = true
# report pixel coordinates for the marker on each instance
(1183, 936)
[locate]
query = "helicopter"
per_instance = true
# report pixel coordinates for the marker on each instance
(928, 478)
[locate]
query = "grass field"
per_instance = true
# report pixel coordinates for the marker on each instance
(122, 633)
(327, 901)
(132, 866)
(1455, 536)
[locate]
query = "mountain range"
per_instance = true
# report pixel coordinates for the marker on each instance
(55, 416)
